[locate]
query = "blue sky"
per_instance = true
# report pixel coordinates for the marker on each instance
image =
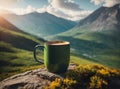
(68, 9)
(84, 4)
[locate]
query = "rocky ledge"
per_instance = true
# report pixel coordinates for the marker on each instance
(34, 79)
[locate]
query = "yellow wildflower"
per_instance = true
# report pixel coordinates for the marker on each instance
(55, 84)
(103, 72)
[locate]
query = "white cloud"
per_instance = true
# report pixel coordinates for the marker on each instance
(66, 9)
(106, 3)
(22, 11)
(66, 14)
(97, 2)
(64, 4)
(70, 15)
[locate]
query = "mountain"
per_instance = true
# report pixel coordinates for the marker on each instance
(40, 24)
(11, 34)
(103, 19)
(4, 23)
(97, 36)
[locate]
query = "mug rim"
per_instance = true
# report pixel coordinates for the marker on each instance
(57, 41)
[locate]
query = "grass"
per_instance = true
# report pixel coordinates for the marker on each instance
(19, 34)
(80, 60)
(16, 61)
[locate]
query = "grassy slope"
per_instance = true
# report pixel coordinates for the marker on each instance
(15, 50)
(101, 47)
(15, 61)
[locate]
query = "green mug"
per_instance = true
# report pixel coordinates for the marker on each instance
(56, 55)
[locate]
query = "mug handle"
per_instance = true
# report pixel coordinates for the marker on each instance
(35, 48)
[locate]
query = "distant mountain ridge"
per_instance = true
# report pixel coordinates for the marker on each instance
(41, 24)
(103, 20)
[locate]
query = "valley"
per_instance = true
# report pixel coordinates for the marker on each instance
(94, 40)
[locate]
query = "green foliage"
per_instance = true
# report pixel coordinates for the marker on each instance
(87, 77)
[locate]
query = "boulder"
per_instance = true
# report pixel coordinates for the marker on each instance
(34, 79)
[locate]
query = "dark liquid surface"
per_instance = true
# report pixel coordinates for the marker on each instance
(57, 43)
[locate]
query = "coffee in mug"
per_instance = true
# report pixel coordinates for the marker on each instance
(56, 55)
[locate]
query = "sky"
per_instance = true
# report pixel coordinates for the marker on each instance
(68, 9)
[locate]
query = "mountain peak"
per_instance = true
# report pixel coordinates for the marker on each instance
(103, 18)
(37, 13)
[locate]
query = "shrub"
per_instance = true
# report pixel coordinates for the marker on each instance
(97, 83)
(87, 77)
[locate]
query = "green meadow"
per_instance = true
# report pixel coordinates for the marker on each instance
(17, 61)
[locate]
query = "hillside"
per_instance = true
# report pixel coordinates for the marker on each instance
(16, 49)
(40, 24)
(4, 23)
(10, 34)
(97, 36)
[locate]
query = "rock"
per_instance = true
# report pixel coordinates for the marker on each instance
(34, 79)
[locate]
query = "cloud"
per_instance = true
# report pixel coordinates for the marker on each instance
(66, 14)
(66, 9)
(106, 3)
(70, 15)
(22, 11)
(64, 4)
